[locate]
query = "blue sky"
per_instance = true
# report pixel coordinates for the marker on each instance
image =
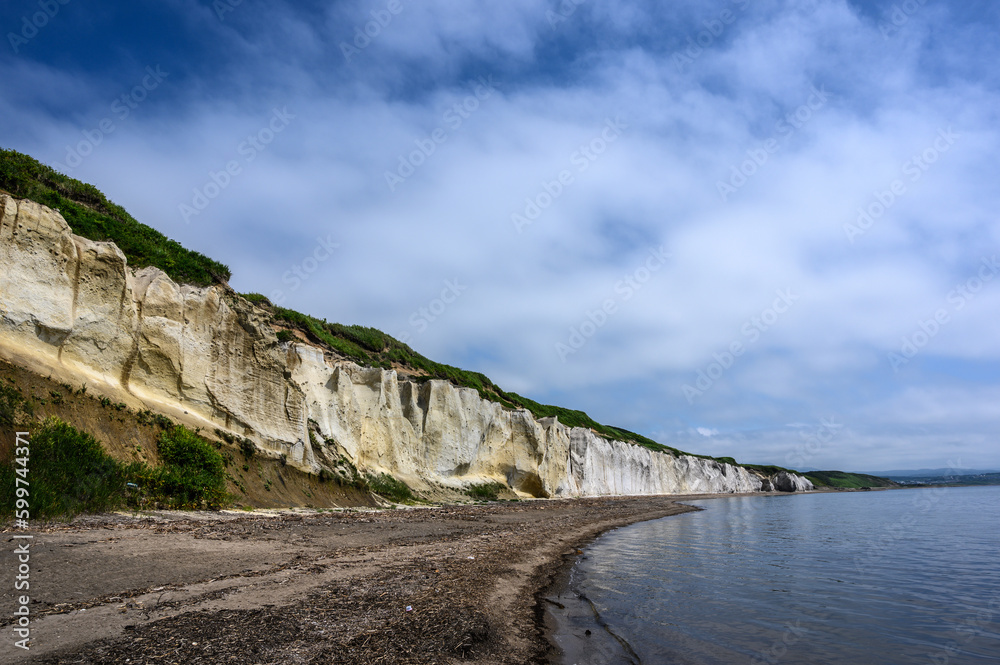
(755, 228)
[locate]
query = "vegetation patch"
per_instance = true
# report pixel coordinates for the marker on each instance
(257, 299)
(192, 475)
(388, 487)
(486, 491)
(845, 480)
(91, 215)
(248, 448)
(13, 407)
(768, 469)
(69, 474)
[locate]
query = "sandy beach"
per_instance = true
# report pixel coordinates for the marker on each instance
(453, 584)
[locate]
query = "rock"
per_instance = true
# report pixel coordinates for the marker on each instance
(789, 482)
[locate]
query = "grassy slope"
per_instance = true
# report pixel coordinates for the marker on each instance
(91, 215)
(844, 480)
(132, 439)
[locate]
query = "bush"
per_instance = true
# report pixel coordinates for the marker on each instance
(486, 491)
(257, 299)
(225, 436)
(193, 472)
(386, 486)
(13, 408)
(91, 215)
(182, 448)
(69, 474)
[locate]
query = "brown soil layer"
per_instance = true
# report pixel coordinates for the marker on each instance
(308, 587)
(258, 481)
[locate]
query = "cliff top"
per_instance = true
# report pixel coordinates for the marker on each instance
(91, 215)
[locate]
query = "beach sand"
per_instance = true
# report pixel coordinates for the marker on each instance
(454, 584)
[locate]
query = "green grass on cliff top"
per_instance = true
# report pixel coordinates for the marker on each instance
(372, 347)
(91, 215)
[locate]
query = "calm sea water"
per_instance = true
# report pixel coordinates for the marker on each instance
(864, 577)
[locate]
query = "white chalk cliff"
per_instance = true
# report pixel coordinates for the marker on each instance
(74, 309)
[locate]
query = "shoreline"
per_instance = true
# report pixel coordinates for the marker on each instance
(561, 614)
(308, 587)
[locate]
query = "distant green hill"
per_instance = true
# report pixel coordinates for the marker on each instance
(844, 480)
(967, 480)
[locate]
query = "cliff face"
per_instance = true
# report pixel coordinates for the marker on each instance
(73, 308)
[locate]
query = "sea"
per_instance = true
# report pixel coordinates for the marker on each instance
(880, 577)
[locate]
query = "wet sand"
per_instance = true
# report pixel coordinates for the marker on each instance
(455, 584)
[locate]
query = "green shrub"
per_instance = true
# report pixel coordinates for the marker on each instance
(486, 491)
(69, 474)
(14, 409)
(163, 421)
(193, 472)
(182, 448)
(257, 298)
(91, 215)
(285, 335)
(225, 436)
(386, 486)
